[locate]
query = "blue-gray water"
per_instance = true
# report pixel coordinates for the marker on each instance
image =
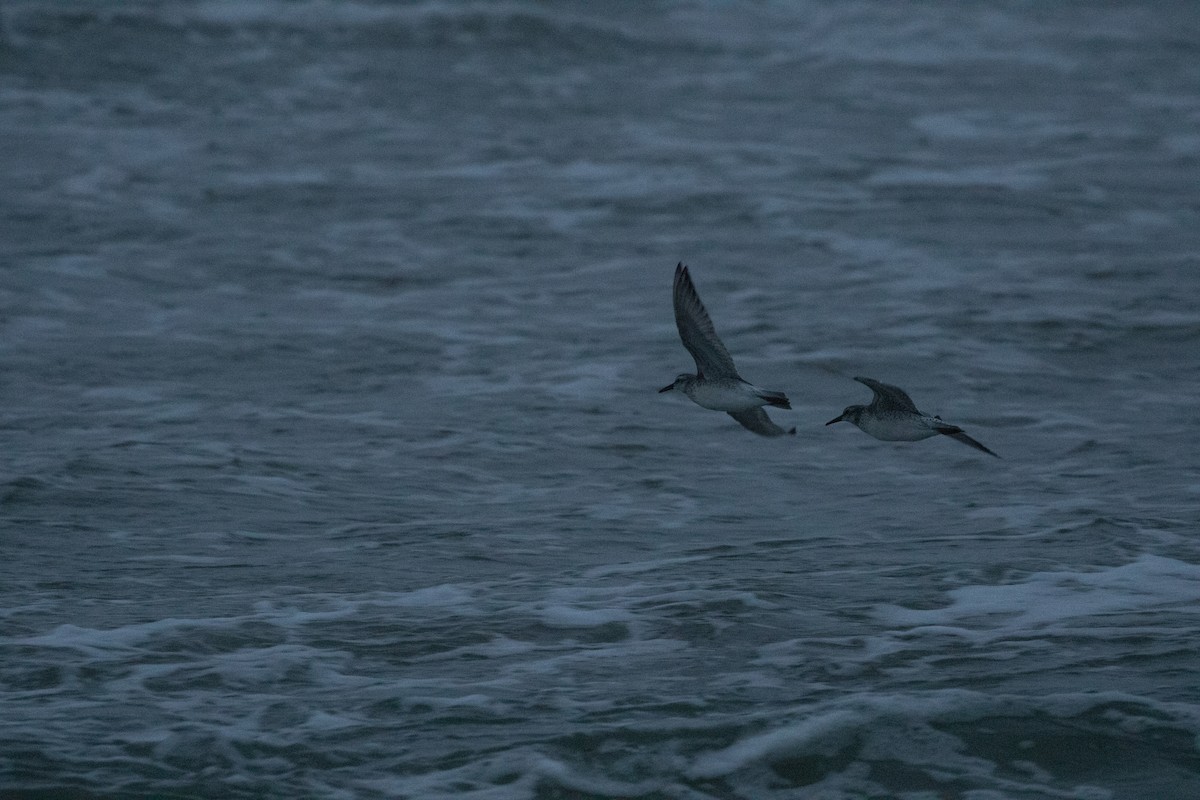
(334, 465)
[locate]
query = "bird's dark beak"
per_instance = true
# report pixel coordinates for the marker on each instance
(667, 388)
(836, 419)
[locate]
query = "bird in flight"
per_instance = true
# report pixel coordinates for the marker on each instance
(717, 384)
(893, 417)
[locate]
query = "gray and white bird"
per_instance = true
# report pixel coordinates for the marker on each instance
(716, 384)
(893, 417)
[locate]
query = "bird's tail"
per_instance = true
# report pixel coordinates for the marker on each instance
(777, 399)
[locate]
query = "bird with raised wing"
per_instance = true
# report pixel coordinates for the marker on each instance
(893, 417)
(717, 384)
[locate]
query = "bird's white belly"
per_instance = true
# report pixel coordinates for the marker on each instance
(897, 429)
(725, 397)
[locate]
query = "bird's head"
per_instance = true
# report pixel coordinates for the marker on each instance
(850, 414)
(681, 380)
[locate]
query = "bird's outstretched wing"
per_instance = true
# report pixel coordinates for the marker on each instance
(697, 332)
(888, 397)
(755, 419)
(957, 433)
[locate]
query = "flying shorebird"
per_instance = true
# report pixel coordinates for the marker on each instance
(893, 417)
(716, 384)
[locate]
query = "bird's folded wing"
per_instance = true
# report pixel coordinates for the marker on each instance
(956, 433)
(757, 420)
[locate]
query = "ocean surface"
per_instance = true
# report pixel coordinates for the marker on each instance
(334, 464)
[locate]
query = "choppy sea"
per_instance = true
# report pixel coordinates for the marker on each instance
(333, 461)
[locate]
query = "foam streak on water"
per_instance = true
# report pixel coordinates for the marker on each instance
(334, 465)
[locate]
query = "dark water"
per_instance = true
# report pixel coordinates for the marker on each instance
(334, 465)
